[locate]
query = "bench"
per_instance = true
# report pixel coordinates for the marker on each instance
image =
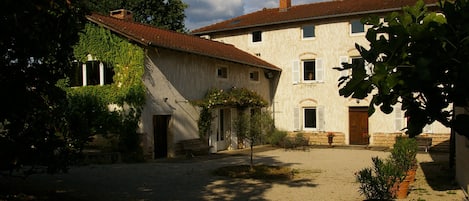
(424, 142)
(194, 147)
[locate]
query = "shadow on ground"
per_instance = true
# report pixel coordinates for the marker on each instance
(439, 175)
(182, 179)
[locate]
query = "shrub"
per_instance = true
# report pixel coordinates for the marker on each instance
(404, 153)
(376, 183)
(276, 137)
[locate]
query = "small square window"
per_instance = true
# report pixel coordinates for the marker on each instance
(309, 70)
(357, 27)
(222, 72)
(256, 36)
(308, 31)
(254, 76)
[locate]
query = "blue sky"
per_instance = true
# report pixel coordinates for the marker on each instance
(205, 12)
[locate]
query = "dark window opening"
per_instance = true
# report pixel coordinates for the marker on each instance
(257, 36)
(309, 69)
(310, 117)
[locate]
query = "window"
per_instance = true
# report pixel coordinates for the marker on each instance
(90, 73)
(360, 61)
(308, 31)
(256, 36)
(309, 70)
(222, 72)
(356, 27)
(310, 118)
(254, 76)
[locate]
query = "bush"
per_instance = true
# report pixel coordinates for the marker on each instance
(277, 137)
(376, 183)
(404, 153)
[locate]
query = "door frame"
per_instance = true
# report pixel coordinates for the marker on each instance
(364, 139)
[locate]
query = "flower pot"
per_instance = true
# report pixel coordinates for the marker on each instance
(330, 140)
(403, 189)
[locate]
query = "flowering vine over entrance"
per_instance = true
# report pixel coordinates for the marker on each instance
(236, 97)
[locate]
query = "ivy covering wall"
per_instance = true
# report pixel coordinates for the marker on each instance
(89, 109)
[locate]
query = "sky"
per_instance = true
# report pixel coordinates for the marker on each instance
(201, 13)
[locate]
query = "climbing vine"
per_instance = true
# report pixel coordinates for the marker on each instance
(89, 105)
(239, 98)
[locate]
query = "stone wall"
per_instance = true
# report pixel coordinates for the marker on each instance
(440, 141)
(320, 138)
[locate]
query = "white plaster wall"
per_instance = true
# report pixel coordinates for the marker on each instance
(283, 45)
(174, 79)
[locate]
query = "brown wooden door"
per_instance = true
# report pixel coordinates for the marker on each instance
(160, 133)
(358, 125)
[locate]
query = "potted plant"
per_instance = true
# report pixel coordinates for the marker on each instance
(330, 138)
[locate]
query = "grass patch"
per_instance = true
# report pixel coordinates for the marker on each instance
(262, 172)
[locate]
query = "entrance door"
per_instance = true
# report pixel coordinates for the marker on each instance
(358, 125)
(224, 129)
(160, 134)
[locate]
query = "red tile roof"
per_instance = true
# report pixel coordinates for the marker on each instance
(321, 10)
(151, 36)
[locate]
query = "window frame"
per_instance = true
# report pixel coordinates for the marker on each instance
(351, 25)
(254, 72)
(259, 36)
(303, 71)
(103, 74)
(303, 37)
(220, 76)
(316, 123)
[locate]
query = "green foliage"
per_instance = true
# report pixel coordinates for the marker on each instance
(276, 137)
(240, 98)
(376, 183)
(420, 59)
(89, 111)
(35, 48)
(404, 153)
(167, 14)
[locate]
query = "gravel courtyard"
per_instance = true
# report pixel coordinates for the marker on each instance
(326, 174)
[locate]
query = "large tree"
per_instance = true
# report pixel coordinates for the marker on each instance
(421, 60)
(167, 14)
(35, 52)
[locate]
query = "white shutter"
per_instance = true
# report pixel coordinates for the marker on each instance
(296, 72)
(319, 70)
(343, 59)
(320, 118)
(398, 118)
(368, 68)
(296, 119)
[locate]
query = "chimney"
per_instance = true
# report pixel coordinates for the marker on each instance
(284, 5)
(122, 14)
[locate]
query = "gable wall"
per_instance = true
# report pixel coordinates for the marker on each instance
(174, 79)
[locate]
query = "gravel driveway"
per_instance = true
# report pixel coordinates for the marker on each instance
(329, 175)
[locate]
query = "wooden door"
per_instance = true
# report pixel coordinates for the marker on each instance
(358, 125)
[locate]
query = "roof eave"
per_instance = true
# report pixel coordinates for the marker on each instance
(144, 42)
(305, 19)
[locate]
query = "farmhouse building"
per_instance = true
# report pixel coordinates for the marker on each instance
(179, 69)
